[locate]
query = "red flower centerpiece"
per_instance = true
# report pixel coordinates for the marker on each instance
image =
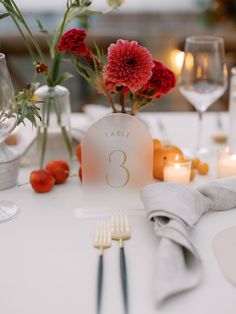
(128, 70)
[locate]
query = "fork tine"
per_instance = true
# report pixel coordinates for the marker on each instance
(127, 228)
(103, 233)
(117, 229)
(122, 222)
(109, 233)
(112, 223)
(106, 233)
(96, 236)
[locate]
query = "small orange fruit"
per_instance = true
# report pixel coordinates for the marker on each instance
(80, 173)
(160, 155)
(203, 169)
(79, 153)
(156, 144)
(195, 163)
(41, 181)
(59, 169)
(192, 175)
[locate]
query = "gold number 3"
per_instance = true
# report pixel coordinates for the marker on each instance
(121, 165)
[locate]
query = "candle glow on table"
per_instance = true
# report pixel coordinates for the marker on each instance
(176, 171)
(226, 164)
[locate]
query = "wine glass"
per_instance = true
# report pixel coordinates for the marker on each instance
(8, 120)
(203, 78)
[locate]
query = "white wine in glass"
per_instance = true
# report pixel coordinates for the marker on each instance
(8, 120)
(203, 78)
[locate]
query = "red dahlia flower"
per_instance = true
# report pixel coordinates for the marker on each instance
(161, 82)
(74, 41)
(129, 64)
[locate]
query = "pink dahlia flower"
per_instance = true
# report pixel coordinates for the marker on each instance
(129, 64)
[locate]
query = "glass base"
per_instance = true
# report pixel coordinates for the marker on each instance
(7, 210)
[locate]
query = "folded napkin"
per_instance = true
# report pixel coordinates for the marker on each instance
(175, 209)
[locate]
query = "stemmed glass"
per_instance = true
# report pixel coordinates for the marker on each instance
(203, 78)
(8, 122)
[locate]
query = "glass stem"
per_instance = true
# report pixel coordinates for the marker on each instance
(199, 135)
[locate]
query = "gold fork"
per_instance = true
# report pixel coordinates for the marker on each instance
(102, 241)
(120, 231)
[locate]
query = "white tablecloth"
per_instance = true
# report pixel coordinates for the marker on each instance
(48, 264)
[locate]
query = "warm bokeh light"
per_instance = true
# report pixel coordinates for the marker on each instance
(189, 61)
(177, 59)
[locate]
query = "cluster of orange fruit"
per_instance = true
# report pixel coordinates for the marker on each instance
(161, 153)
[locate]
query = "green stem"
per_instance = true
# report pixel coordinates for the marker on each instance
(65, 134)
(137, 106)
(57, 107)
(67, 139)
(43, 144)
(56, 56)
(43, 136)
(31, 36)
(48, 111)
(28, 46)
(110, 100)
(123, 101)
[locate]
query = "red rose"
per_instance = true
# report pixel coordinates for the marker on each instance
(74, 41)
(161, 81)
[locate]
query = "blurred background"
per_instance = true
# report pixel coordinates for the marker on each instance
(159, 25)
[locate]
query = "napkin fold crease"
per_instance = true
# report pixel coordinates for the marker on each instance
(175, 209)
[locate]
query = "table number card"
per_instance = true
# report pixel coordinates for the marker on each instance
(117, 153)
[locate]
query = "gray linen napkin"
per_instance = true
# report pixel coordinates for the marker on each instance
(175, 209)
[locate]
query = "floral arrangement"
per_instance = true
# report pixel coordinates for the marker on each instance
(26, 104)
(75, 10)
(128, 70)
(218, 11)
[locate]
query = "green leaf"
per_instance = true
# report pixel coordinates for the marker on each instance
(53, 75)
(64, 77)
(41, 28)
(2, 16)
(115, 3)
(45, 32)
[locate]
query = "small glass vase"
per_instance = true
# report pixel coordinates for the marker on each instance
(117, 161)
(54, 134)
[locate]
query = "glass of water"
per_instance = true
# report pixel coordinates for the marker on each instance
(203, 78)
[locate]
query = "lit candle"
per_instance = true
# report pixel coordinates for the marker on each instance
(226, 165)
(178, 172)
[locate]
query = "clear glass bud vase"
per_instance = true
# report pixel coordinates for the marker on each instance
(54, 133)
(117, 161)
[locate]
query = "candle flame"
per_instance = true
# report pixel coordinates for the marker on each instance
(233, 157)
(227, 150)
(177, 166)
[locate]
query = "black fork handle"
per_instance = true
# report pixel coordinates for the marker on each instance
(99, 284)
(124, 282)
